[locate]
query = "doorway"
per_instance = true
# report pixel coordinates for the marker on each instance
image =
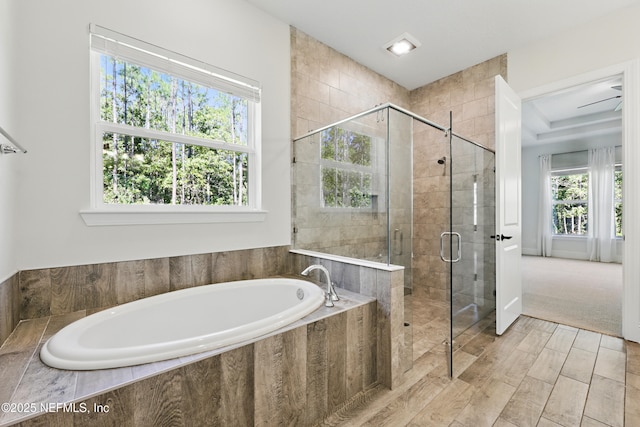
(563, 128)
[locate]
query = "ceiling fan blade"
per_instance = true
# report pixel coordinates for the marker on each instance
(618, 107)
(602, 100)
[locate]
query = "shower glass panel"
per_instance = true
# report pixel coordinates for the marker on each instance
(352, 194)
(340, 189)
(472, 249)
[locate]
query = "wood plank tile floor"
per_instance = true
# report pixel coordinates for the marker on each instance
(538, 373)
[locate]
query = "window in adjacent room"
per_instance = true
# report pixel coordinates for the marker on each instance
(617, 200)
(170, 130)
(569, 192)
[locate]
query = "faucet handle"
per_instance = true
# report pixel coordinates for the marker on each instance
(334, 295)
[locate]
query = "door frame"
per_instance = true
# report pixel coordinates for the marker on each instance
(630, 72)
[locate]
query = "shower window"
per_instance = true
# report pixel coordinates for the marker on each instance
(346, 169)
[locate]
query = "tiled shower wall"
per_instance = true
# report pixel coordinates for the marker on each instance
(469, 96)
(328, 86)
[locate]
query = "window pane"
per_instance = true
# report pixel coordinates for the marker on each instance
(143, 171)
(145, 98)
(570, 219)
(570, 187)
(346, 146)
(342, 188)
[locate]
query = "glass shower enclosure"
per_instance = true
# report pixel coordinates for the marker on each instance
(391, 187)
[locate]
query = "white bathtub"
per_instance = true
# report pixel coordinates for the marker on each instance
(181, 323)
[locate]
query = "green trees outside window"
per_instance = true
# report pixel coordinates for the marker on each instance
(570, 194)
(570, 208)
(173, 140)
(346, 168)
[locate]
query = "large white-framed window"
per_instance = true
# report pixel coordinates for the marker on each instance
(174, 139)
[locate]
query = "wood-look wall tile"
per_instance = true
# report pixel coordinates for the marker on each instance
(237, 386)
(355, 345)
(189, 271)
(130, 281)
(156, 276)
(66, 289)
(202, 388)
(317, 370)
(336, 361)
(383, 347)
(36, 293)
(98, 285)
(114, 408)
(227, 266)
(294, 377)
(370, 345)
(279, 379)
(10, 303)
(50, 419)
(157, 400)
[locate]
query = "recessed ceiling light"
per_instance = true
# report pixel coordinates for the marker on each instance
(402, 44)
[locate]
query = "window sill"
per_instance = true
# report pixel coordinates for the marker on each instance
(157, 216)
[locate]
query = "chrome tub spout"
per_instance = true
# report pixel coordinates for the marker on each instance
(330, 293)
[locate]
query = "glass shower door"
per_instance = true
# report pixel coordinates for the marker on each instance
(471, 247)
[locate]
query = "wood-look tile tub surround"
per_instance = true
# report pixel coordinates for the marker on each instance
(294, 376)
(9, 306)
(62, 294)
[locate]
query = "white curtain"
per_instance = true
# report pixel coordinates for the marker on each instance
(545, 222)
(601, 244)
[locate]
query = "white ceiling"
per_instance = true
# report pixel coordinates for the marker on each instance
(455, 34)
(578, 113)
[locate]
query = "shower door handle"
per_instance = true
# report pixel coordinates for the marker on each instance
(459, 254)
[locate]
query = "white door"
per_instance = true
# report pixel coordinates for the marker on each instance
(508, 203)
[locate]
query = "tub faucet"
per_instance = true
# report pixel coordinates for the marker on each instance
(330, 294)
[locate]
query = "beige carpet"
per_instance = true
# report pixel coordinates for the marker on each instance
(583, 294)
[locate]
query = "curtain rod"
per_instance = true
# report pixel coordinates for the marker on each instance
(577, 151)
(13, 148)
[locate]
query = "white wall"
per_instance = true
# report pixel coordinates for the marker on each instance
(8, 163)
(51, 70)
(607, 41)
(564, 247)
